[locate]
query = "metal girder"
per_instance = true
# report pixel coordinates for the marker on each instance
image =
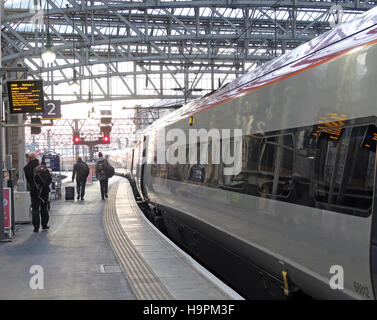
(235, 4)
(151, 46)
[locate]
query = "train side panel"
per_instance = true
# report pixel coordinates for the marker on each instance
(304, 240)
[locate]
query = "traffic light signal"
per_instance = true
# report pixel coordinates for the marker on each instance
(106, 139)
(76, 137)
(36, 121)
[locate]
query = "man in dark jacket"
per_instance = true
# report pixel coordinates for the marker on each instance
(43, 181)
(81, 171)
(101, 165)
(38, 207)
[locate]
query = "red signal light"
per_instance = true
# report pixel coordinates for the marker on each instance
(106, 139)
(76, 137)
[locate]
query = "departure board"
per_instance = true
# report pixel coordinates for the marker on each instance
(25, 96)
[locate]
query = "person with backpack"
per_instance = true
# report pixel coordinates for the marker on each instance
(81, 171)
(43, 179)
(38, 178)
(103, 173)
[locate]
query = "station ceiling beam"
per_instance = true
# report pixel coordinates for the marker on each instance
(143, 48)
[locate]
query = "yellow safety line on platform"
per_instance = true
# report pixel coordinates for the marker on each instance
(144, 282)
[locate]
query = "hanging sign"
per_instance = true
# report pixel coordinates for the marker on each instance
(25, 96)
(52, 110)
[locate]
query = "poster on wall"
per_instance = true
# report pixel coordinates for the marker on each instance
(7, 203)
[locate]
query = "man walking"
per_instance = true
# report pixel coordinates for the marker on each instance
(81, 171)
(37, 192)
(43, 179)
(101, 166)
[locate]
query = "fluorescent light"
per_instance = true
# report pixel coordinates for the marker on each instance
(75, 86)
(48, 56)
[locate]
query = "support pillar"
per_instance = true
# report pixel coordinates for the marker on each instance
(2, 237)
(21, 153)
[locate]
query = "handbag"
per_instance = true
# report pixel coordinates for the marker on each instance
(109, 171)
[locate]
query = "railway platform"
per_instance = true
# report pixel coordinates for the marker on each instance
(99, 249)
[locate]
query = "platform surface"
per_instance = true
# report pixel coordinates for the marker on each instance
(170, 271)
(103, 249)
(77, 260)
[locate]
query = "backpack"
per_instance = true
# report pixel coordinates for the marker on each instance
(42, 177)
(101, 166)
(85, 170)
(82, 169)
(105, 169)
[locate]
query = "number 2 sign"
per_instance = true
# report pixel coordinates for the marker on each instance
(52, 109)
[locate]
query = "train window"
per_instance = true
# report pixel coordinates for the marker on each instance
(211, 170)
(345, 170)
(196, 173)
(176, 171)
(144, 146)
(253, 150)
(275, 166)
(161, 170)
(153, 170)
(246, 180)
(235, 181)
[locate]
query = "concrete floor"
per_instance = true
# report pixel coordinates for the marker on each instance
(71, 254)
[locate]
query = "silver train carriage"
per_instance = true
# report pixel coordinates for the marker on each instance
(300, 211)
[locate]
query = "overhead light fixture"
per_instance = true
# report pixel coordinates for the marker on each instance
(74, 84)
(48, 55)
(90, 98)
(90, 94)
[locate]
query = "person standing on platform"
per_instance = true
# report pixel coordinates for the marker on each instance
(43, 179)
(36, 193)
(101, 166)
(81, 171)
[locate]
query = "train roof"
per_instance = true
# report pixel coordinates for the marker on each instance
(359, 32)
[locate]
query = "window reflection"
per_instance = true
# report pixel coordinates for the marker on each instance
(328, 167)
(344, 168)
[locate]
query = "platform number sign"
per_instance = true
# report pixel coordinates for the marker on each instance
(52, 110)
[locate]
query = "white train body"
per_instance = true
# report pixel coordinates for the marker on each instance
(301, 210)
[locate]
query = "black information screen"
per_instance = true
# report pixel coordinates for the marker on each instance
(25, 96)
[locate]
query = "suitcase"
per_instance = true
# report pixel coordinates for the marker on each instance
(69, 193)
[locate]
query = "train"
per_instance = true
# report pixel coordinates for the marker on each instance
(296, 217)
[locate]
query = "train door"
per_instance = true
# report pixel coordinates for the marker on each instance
(143, 166)
(132, 163)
